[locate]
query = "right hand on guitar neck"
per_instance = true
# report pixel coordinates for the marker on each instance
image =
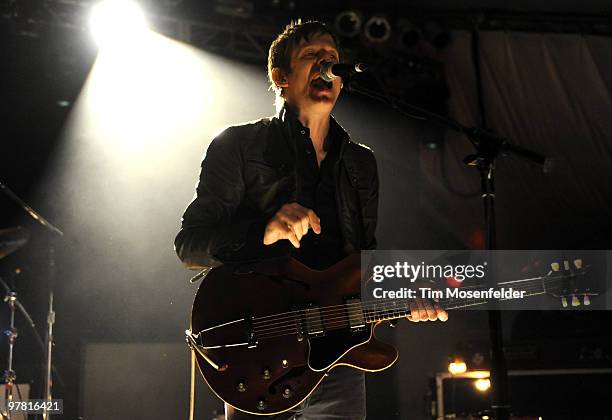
(291, 222)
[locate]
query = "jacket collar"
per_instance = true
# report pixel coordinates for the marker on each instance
(289, 119)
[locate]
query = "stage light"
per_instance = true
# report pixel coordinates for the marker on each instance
(348, 23)
(137, 99)
(377, 29)
(408, 35)
(436, 35)
(457, 367)
(482, 385)
(115, 23)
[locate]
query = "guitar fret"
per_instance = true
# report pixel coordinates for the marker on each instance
(393, 309)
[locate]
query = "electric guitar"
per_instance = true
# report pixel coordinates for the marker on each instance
(265, 340)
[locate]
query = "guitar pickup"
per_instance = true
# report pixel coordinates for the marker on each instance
(354, 312)
(313, 321)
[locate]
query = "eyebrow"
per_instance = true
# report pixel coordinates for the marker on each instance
(314, 47)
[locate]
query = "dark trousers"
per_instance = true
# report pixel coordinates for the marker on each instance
(341, 396)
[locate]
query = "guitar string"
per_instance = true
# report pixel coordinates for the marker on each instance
(288, 332)
(325, 312)
(280, 314)
(335, 325)
(381, 307)
(376, 310)
(267, 318)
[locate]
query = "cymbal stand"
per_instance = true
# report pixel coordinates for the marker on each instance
(9, 374)
(51, 314)
(11, 334)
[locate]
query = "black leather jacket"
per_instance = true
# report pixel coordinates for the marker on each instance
(247, 175)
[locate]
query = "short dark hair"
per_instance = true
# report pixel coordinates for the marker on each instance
(282, 47)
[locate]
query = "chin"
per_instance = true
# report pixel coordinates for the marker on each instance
(323, 99)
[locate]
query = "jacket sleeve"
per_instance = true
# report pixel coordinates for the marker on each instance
(370, 206)
(212, 231)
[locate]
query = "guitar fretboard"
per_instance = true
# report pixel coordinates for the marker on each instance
(457, 298)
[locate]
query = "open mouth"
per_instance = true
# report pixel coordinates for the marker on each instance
(321, 84)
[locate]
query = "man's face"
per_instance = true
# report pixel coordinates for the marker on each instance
(305, 89)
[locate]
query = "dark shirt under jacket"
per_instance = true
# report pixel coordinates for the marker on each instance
(316, 190)
(251, 170)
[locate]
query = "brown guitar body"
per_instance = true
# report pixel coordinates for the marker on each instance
(263, 358)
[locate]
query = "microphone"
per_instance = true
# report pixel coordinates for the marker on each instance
(331, 71)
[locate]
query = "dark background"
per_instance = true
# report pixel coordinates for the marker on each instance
(122, 298)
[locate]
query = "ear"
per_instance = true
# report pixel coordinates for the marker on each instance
(279, 78)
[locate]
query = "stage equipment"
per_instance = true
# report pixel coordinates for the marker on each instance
(114, 23)
(10, 376)
(377, 29)
(543, 393)
(457, 367)
(51, 314)
(330, 71)
(21, 393)
(12, 239)
(408, 35)
(348, 23)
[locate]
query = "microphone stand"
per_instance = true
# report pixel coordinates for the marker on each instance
(51, 314)
(488, 146)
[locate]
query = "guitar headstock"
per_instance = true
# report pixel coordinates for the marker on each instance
(570, 280)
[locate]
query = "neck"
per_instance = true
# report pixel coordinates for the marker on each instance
(386, 309)
(317, 123)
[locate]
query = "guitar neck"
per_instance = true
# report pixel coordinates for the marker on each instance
(457, 298)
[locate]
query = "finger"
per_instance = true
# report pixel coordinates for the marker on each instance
(297, 230)
(304, 222)
(421, 309)
(301, 214)
(294, 222)
(290, 235)
(414, 312)
(275, 230)
(314, 222)
(441, 313)
(432, 315)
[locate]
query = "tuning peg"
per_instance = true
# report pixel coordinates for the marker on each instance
(578, 263)
(564, 301)
(575, 301)
(554, 266)
(566, 265)
(586, 300)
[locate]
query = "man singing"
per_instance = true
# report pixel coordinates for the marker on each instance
(294, 184)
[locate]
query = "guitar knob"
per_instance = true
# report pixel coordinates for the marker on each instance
(586, 300)
(578, 263)
(564, 301)
(575, 301)
(241, 387)
(287, 392)
(554, 266)
(261, 405)
(285, 363)
(266, 374)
